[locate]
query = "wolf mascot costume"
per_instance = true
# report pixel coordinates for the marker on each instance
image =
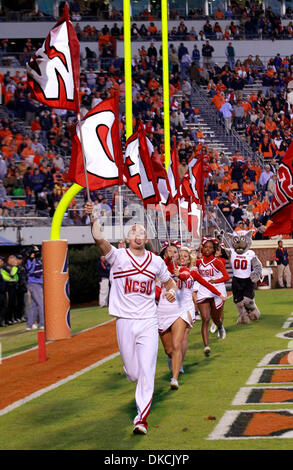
(247, 270)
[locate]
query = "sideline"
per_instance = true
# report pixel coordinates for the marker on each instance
(52, 341)
(42, 391)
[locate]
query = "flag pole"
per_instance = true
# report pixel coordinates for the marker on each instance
(180, 222)
(166, 99)
(166, 228)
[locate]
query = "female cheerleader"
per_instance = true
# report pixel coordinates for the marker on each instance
(174, 320)
(210, 305)
(221, 255)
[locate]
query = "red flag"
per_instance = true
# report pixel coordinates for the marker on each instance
(53, 71)
(173, 175)
(101, 145)
(138, 170)
(185, 190)
(161, 178)
(196, 178)
(282, 202)
(191, 216)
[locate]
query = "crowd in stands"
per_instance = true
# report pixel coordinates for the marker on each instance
(36, 145)
(265, 118)
(34, 157)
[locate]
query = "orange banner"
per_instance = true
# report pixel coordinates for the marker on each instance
(56, 289)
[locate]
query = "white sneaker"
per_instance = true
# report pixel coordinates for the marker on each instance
(34, 326)
(140, 429)
(222, 332)
(213, 328)
(207, 351)
(181, 370)
(174, 384)
(197, 317)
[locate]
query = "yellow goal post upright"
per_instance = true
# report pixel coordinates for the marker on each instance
(166, 97)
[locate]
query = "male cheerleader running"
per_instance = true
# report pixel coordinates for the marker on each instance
(132, 302)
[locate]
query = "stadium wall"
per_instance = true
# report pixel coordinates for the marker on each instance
(264, 48)
(36, 29)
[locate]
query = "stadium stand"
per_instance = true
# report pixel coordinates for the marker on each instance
(35, 141)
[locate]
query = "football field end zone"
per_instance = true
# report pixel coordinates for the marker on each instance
(224, 426)
(242, 396)
(257, 374)
(51, 341)
(42, 391)
(267, 360)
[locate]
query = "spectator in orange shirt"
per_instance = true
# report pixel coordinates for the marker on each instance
(247, 108)
(152, 30)
(237, 156)
(153, 84)
(4, 131)
(239, 226)
(28, 151)
(265, 148)
(257, 170)
(218, 100)
(256, 204)
(35, 125)
(270, 124)
(265, 204)
(219, 14)
(225, 185)
(248, 190)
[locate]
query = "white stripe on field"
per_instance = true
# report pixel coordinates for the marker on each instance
(266, 361)
(40, 392)
(244, 392)
(224, 426)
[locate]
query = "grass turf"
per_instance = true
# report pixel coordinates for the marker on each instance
(95, 411)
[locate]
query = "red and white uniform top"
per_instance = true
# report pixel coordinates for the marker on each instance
(187, 285)
(211, 268)
(132, 278)
(241, 264)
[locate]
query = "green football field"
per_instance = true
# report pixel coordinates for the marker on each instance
(95, 411)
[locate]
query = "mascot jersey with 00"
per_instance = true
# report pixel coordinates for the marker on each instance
(247, 270)
(242, 264)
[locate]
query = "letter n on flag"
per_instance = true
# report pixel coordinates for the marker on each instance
(282, 202)
(101, 145)
(138, 170)
(53, 71)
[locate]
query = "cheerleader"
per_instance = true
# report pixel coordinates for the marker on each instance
(211, 305)
(175, 319)
(186, 287)
(222, 256)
